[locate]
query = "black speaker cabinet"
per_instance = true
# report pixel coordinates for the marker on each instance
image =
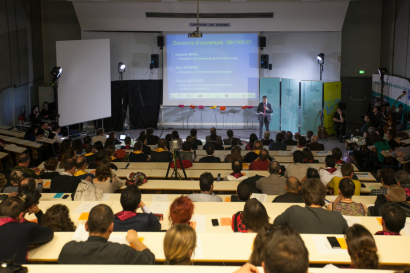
(154, 61)
(262, 41)
(160, 41)
(264, 61)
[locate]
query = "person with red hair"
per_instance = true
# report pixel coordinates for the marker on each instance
(181, 211)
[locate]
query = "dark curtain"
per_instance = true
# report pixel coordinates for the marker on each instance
(144, 98)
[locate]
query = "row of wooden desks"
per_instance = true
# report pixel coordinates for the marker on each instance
(201, 147)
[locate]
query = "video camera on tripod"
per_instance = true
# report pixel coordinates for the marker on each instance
(175, 149)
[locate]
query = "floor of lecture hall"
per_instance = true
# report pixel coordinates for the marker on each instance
(330, 143)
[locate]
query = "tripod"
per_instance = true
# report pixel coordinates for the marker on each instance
(124, 113)
(175, 157)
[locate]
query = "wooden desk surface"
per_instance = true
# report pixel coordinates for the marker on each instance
(271, 153)
(21, 142)
(5, 127)
(235, 248)
(15, 149)
(3, 155)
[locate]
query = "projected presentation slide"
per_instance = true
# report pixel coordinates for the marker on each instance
(217, 69)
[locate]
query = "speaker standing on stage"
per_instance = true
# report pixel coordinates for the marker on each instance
(266, 109)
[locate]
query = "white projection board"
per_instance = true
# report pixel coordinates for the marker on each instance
(84, 91)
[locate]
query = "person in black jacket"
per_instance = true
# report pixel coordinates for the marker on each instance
(98, 250)
(210, 158)
(292, 192)
(193, 133)
(253, 155)
(16, 237)
(138, 155)
(395, 194)
(289, 141)
(50, 167)
(161, 154)
(151, 139)
(66, 182)
(128, 218)
(214, 142)
(145, 148)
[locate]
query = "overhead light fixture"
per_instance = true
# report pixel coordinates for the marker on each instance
(121, 69)
(321, 58)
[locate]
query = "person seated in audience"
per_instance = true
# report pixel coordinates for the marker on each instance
(387, 178)
(210, 158)
(110, 153)
(367, 124)
(275, 183)
(81, 165)
(15, 237)
(31, 197)
(98, 146)
(23, 161)
(297, 169)
(35, 116)
(55, 135)
(308, 156)
(127, 142)
(175, 136)
(168, 138)
(234, 155)
(128, 218)
(151, 138)
(402, 178)
(285, 252)
(396, 194)
(138, 155)
(69, 153)
(236, 175)
(161, 154)
(347, 172)
(289, 139)
(192, 141)
(194, 133)
(243, 193)
(50, 169)
(181, 211)
(43, 127)
(362, 248)
(3, 182)
(344, 203)
(105, 179)
(187, 153)
(64, 146)
(78, 146)
(213, 141)
(252, 219)
(261, 162)
(89, 154)
(100, 156)
(206, 184)
(330, 171)
(300, 146)
(263, 236)
(313, 218)
(393, 219)
(338, 155)
(254, 154)
(278, 145)
(113, 137)
(98, 250)
(292, 194)
(314, 145)
(217, 138)
(45, 111)
(58, 219)
(309, 135)
(179, 245)
(99, 136)
(87, 141)
(66, 182)
(393, 140)
(266, 139)
(15, 178)
(381, 145)
(252, 139)
(228, 141)
(109, 142)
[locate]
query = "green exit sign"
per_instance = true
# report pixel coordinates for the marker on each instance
(361, 71)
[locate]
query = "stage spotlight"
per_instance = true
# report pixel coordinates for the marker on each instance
(321, 58)
(121, 69)
(383, 71)
(56, 73)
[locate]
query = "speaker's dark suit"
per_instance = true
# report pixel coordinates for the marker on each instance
(264, 119)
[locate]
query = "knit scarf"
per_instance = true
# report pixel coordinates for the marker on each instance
(88, 154)
(6, 220)
(257, 151)
(331, 170)
(125, 215)
(159, 150)
(236, 175)
(79, 172)
(113, 158)
(137, 152)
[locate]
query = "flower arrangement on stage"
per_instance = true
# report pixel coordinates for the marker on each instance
(250, 107)
(192, 107)
(181, 106)
(212, 107)
(222, 108)
(201, 107)
(244, 107)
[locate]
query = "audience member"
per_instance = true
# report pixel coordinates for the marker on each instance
(15, 178)
(368, 123)
(81, 165)
(362, 248)
(35, 116)
(330, 171)
(313, 218)
(275, 183)
(15, 237)
(98, 250)
(338, 155)
(42, 130)
(289, 139)
(50, 169)
(381, 145)
(228, 141)
(99, 136)
(402, 178)
(393, 219)
(387, 178)
(109, 142)
(151, 138)
(314, 145)
(252, 139)
(210, 158)
(146, 149)
(66, 182)
(179, 245)
(138, 155)
(113, 137)
(99, 156)
(217, 138)
(252, 219)
(87, 141)
(308, 156)
(78, 146)
(64, 146)
(396, 194)
(260, 243)
(300, 146)
(347, 172)
(344, 203)
(45, 112)
(236, 175)
(128, 218)
(127, 142)
(266, 139)
(23, 161)
(187, 153)
(181, 211)
(309, 135)
(193, 133)
(254, 154)
(234, 155)
(278, 145)
(3, 182)
(192, 141)
(175, 136)
(213, 141)
(89, 154)
(110, 153)
(292, 195)
(31, 133)
(58, 219)
(98, 146)
(206, 184)
(168, 138)
(161, 154)
(105, 179)
(297, 135)
(262, 162)
(69, 153)
(243, 193)
(297, 169)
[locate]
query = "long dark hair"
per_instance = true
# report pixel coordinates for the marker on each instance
(103, 171)
(32, 130)
(58, 219)
(362, 247)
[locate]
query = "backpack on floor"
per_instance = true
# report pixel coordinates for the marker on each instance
(87, 191)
